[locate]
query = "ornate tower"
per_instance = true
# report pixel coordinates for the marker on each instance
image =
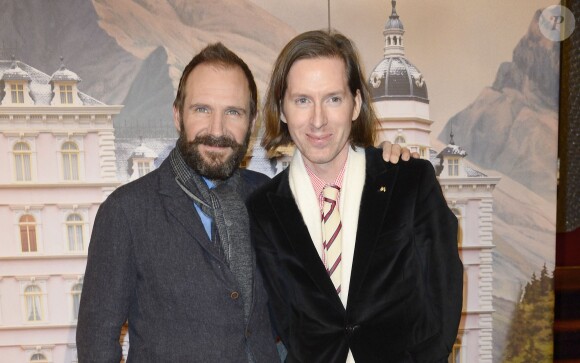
(399, 93)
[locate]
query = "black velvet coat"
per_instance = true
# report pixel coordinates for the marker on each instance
(405, 296)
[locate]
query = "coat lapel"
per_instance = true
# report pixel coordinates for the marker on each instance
(178, 205)
(286, 210)
(377, 191)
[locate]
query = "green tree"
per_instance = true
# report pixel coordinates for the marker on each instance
(530, 335)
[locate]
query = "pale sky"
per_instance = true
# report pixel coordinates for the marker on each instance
(458, 45)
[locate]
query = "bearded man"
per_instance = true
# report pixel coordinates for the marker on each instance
(170, 252)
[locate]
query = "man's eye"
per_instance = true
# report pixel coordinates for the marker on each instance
(301, 100)
(233, 112)
(200, 109)
(335, 99)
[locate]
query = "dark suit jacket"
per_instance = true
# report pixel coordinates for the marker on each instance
(405, 295)
(150, 262)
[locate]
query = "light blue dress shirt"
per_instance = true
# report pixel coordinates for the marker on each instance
(205, 219)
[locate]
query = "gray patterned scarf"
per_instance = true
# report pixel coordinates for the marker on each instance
(225, 205)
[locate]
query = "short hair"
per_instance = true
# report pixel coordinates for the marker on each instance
(317, 44)
(219, 55)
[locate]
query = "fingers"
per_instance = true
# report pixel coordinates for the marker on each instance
(395, 153)
(405, 154)
(392, 152)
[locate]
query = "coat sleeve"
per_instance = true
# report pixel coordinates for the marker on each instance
(108, 286)
(435, 230)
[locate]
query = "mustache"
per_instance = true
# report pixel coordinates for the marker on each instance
(218, 141)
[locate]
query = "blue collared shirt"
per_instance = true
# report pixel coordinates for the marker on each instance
(205, 219)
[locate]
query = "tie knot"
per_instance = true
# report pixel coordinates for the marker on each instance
(331, 192)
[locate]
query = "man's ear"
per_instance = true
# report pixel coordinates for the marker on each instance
(176, 119)
(357, 105)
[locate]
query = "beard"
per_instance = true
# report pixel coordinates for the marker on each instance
(211, 165)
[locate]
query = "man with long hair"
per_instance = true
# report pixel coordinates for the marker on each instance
(359, 256)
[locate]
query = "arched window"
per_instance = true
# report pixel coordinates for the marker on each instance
(388, 40)
(33, 297)
(38, 358)
(76, 298)
(22, 155)
(27, 226)
(70, 161)
(400, 139)
(74, 229)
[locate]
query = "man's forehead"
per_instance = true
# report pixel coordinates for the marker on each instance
(218, 81)
(319, 70)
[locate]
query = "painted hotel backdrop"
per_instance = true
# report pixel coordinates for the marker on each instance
(86, 89)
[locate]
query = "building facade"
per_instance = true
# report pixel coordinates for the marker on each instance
(401, 101)
(57, 154)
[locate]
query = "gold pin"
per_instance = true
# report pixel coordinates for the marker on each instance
(382, 189)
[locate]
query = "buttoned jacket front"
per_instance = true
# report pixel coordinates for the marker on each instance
(405, 296)
(150, 261)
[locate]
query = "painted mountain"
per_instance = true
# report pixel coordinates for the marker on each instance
(511, 126)
(511, 131)
(40, 32)
(167, 34)
(147, 44)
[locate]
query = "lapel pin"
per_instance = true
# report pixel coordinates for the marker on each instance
(382, 189)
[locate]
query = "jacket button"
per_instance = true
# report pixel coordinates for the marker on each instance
(235, 295)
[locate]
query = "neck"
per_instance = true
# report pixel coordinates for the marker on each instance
(329, 171)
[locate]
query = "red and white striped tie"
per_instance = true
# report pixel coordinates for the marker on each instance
(332, 235)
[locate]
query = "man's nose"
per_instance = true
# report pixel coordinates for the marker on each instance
(319, 116)
(216, 126)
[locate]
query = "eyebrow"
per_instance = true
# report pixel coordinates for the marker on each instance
(329, 94)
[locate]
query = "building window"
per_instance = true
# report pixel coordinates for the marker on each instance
(33, 297)
(17, 93)
(22, 158)
(453, 167)
(38, 358)
(70, 161)
(143, 167)
(74, 228)
(66, 96)
(76, 298)
(400, 140)
(27, 226)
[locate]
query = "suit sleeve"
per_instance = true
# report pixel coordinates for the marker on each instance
(435, 228)
(108, 286)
